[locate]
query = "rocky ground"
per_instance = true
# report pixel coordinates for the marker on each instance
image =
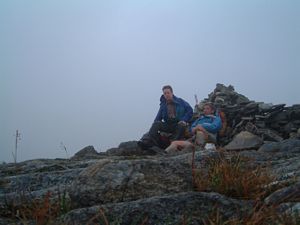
(127, 185)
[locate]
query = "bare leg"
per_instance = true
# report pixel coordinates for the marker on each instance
(178, 146)
(200, 138)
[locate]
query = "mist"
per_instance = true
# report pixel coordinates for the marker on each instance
(78, 73)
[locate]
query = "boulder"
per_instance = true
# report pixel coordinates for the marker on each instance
(130, 148)
(177, 208)
(127, 180)
(270, 122)
(287, 194)
(292, 208)
(243, 141)
(288, 145)
(109, 181)
(87, 152)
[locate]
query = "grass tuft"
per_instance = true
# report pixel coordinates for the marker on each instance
(236, 177)
(40, 210)
(260, 215)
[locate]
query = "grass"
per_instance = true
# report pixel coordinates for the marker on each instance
(102, 219)
(260, 215)
(240, 178)
(42, 211)
(236, 177)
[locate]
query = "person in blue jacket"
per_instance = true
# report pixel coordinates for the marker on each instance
(173, 116)
(206, 127)
(203, 130)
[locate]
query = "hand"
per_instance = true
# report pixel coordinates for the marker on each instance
(182, 123)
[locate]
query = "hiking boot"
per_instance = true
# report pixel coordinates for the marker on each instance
(210, 146)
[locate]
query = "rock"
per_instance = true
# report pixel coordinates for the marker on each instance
(289, 145)
(131, 148)
(265, 107)
(269, 135)
(292, 208)
(160, 210)
(6, 221)
(243, 141)
(270, 147)
(34, 178)
(127, 180)
(277, 122)
(281, 158)
(128, 144)
(287, 194)
(125, 152)
(88, 152)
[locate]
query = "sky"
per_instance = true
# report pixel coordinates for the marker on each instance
(78, 73)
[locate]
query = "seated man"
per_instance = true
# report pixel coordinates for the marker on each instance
(172, 117)
(204, 129)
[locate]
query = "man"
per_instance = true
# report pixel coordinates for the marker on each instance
(173, 116)
(206, 127)
(203, 130)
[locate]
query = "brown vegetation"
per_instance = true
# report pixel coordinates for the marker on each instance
(235, 177)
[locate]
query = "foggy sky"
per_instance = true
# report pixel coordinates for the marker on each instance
(90, 72)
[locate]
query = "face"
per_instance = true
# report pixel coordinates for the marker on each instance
(168, 94)
(207, 110)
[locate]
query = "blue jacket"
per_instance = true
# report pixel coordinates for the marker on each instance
(184, 111)
(210, 123)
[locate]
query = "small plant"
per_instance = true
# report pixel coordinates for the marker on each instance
(40, 210)
(235, 177)
(260, 215)
(102, 219)
(63, 147)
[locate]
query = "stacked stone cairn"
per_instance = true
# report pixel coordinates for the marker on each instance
(238, 113)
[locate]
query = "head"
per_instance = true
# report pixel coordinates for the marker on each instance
(208, 109)
(168, 92)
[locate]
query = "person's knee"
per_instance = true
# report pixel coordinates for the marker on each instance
(200, 132)
(171, 148)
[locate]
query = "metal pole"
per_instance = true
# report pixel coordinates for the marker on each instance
(16, 146)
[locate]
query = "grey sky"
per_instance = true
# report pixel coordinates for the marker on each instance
(90, 72)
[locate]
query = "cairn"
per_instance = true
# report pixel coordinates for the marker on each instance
(238, 113)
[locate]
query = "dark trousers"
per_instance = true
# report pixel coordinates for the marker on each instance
(153, 135)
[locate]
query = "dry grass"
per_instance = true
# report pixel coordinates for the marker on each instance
(40, 210)
(100, 218)
(260, 215)
(235, 177)
(238, 177)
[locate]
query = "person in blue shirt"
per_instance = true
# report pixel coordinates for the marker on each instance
(203, 130)
(173, 116)
(206, 127)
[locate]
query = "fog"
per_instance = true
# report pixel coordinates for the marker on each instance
(78, 73)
